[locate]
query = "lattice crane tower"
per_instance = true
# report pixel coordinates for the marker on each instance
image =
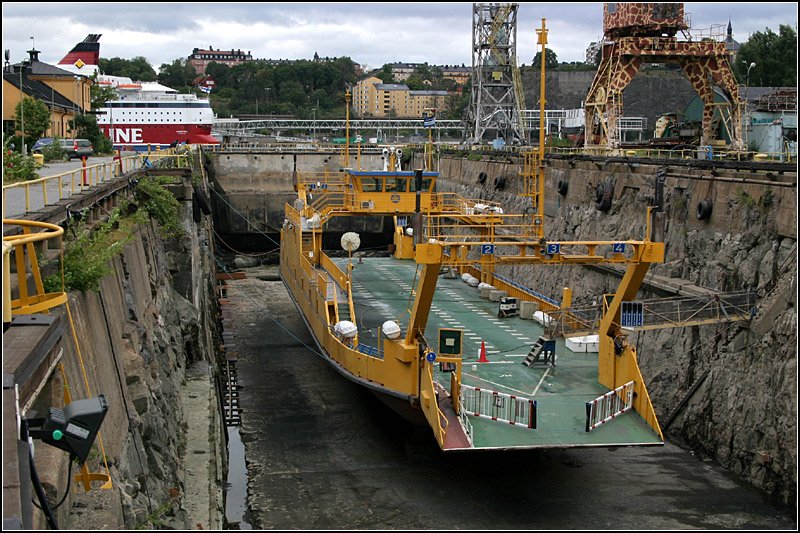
(497, 100)
(639, 33)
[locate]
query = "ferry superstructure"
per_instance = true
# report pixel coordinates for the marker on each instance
(148, 115)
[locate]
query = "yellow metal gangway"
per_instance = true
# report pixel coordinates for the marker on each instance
(659, 313)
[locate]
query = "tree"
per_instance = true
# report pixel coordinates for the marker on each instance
(179, 73)
(550, 62)
(220, 72)
(101, 95)
(37, 118)
(775, 58)
(415, 82)
(137, 69)
(385, 74)
(85, 127)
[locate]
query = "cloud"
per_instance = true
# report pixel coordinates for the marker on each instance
(369, 33)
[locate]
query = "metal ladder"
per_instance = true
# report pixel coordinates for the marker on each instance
(543, 351)
(233, 416)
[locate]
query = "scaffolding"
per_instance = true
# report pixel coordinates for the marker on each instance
(496, 108)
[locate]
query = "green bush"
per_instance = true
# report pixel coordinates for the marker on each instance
(17, 167)
(54, 152)
(160, 204)
(87, 257)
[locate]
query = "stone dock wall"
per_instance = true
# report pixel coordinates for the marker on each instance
(147, 341)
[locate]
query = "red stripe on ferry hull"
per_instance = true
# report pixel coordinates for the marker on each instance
(163, 134)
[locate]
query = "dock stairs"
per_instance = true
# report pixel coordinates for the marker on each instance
(543, 352)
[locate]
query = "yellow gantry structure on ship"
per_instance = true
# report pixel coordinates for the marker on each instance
(447, 230)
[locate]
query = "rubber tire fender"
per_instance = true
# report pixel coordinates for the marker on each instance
(202, 200)
(605, 193)
(598, 193)
(563, 187)
(196, 215)
(704, 209)
(500, 183)
(482, 178)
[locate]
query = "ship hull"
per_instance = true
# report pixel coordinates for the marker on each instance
(469, 401)
(405, 406)
(144, 137)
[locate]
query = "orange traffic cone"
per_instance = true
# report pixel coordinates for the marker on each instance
(482, 353)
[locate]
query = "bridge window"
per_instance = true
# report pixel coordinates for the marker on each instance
(426, 185)
(396, 184)
(371, 184)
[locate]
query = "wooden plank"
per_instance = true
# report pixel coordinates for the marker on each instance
(232, 275)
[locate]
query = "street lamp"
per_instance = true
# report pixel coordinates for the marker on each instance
(22, 108)
(746, 87)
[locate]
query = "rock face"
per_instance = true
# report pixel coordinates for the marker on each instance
(151, 322)
(651, 93)
(743, 411)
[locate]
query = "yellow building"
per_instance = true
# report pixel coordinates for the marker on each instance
(460, 75)
(373, 98)
(65, 94)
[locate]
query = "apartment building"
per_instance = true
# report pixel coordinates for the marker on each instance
(373, 98)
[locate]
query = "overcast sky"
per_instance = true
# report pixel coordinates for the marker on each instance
(370, 33)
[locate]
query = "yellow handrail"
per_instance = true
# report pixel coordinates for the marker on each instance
(430, 407)
(41, 302)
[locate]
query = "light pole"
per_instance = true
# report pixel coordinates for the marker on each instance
(746, 87)
(22, 108)
(314, 124)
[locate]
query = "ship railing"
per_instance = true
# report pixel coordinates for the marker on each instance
(465, 422)
(321, 180)
(455, 203)
(572, 322)
(477, 228)
(338, 276)
(342, 280)
(430, 407)
(516, 290)
(499, 407)
(609, 406)
(682, 311)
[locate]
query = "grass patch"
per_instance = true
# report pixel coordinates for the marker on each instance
(88, 254)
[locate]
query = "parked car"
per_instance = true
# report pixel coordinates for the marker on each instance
(42, 143)
(77, 148)
(73, 148)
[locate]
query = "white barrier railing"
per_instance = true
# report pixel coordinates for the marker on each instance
(609, 406)
(498, 406)
(465, 423)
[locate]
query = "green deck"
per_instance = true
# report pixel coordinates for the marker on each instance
(381, 291)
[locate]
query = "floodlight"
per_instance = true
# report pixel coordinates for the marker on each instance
(72, 428)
